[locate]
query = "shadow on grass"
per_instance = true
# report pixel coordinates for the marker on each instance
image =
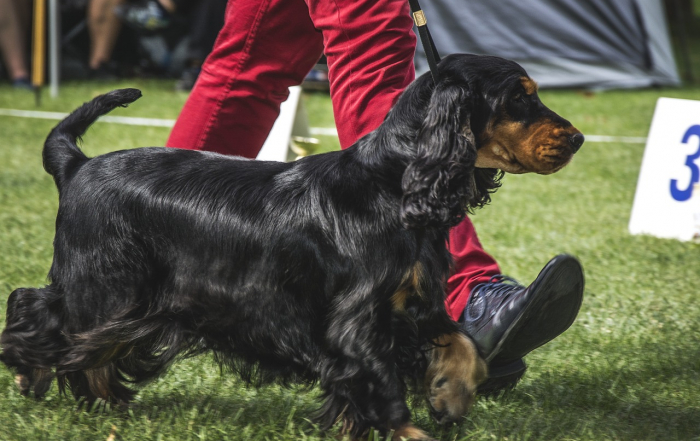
(646, 391)
(268, 411)
(632, 390)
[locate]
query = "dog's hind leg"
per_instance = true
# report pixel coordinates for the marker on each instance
(119, 351)
(102, 383)
(362, 403)
(359, 376)
(32, 341)
(36, 381)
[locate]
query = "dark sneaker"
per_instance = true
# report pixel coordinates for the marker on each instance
(507, 320)
(22, 83)
(502, 377)
(150, 15)
(105, 72)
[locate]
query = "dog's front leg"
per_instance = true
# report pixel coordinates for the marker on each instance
(455, 371)
(363, 398)
(455, 368)
(359, 376)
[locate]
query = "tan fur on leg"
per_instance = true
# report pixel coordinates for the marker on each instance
(39, 381)
(98, 379)
(22, 383)
(410, 432)
(455, 371)
(405, 433)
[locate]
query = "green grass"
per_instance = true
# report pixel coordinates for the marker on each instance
(628, 368)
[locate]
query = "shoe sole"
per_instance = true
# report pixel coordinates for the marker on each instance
(502, 378)
(559, 289)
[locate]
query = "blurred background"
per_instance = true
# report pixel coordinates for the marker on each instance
(108, 39)
(591, 44)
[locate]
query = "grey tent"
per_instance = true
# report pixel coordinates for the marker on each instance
(561, 43)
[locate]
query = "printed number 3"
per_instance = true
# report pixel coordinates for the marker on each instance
(684, 195)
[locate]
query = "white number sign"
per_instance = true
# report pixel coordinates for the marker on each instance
(667, 201)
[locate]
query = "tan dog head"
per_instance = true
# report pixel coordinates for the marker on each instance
(456, 369)
(482, 117)
(525, 136)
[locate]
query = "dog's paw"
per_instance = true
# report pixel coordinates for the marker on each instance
(39, 380)
(455, 372)
(412, 433)
(23, 384)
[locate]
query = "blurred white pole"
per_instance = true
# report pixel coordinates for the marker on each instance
(54, 43)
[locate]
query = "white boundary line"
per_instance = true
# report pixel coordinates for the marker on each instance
(622, 139)
(150, 122)
(318, 131)
(323, 131)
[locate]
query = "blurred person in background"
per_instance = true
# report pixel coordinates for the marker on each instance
(266, 46)
(14, 27)
(152, 14)
(103, 27)
(205, 19)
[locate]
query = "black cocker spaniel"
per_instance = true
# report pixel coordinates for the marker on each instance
(328, 269)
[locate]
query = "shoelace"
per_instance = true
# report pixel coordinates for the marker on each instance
(499, 287)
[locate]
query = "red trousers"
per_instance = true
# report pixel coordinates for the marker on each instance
(266, 46)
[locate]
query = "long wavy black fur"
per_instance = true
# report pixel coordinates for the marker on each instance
(285, 271)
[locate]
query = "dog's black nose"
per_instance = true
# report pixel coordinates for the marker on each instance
(576, 141)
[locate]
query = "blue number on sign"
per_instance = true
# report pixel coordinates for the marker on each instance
(684, 195)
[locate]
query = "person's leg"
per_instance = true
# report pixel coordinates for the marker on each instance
(169, 5)
(369, 46)
(207, 21)
(473, 266)
(265, 47)
(104, 27)
(505, 319)
(13, 38)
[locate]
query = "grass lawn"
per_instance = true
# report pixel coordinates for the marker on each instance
(629, 367)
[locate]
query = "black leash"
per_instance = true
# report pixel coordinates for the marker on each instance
(426, 40)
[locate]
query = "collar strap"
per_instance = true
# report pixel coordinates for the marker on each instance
(426, 40)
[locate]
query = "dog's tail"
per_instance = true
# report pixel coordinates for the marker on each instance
(61, 152)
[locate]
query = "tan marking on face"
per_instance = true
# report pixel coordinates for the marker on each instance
(456, 369)
(410, 286)
(542, 147)
(529, 84)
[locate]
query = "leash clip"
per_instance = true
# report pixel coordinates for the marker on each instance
(419, 18)
(426, 40)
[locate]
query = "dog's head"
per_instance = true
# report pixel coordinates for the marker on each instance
(482, 118)
(456, 369)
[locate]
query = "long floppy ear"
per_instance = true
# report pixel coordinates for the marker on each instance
(439, 183)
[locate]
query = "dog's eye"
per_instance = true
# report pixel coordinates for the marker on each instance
(521, 98)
